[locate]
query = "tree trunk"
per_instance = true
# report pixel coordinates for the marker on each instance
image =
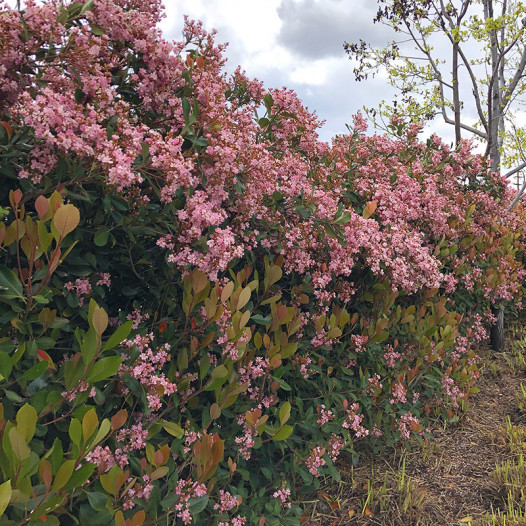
(495, 123)
(497, 339)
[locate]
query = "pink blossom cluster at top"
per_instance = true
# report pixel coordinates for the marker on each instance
(137, 317)
(417, 199)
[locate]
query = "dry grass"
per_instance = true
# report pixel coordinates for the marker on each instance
(472, 473)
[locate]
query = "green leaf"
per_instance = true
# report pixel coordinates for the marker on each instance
(273, 275)
(145, 150)
(289, 349)
(88, 347)
(80, 476)
(6, 365)
(174, 429)
(75, 431)
(118, 336)
(283, 433)
(197, 505)
(48, 506)
(41, 300)
(343, 219)
(204, 366)
(66, 219)
(5, 495)
(87, 6)
(261, 320)
(55, 454)
(101, 237)
(97, 500)
(18, 444)
(268, 101)
(331, 467)
(104, 368)
(186, 109)
(63, 474)
(90, 423)
(98, 31)
(284, 412)
(99, 320)
(10, 286)
(381, 337)
(26, 421)
(35, 371)
(220, 372)
(104, 429)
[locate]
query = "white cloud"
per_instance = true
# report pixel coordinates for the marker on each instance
(311, 74)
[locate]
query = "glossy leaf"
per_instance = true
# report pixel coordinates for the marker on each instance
(10, 286)
(104, 368)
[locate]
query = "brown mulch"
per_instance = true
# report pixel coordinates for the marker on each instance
(450, 474)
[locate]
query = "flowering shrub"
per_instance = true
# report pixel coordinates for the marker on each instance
(273, 300)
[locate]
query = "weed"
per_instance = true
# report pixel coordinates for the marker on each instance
(521, 399)
(512, 438)
(396, 497)
(509, 482)
(513, 516)
(429, 450)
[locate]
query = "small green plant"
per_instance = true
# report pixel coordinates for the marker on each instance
(517, 330)
(398, 495)
(429, 450)
(509, 481)
(516, 358)
(513, 516)
(512, 437)
(492, 368)
(521, 399)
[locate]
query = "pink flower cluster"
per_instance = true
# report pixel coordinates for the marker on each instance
(226, 501)
(147, 368)
(315, 460)
(83, 287)
(283, 494)
(326, 415)
(187, 489)
(235, 521)
(353, 420)
(408, 423)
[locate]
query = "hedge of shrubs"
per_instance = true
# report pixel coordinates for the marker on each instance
(202, 306)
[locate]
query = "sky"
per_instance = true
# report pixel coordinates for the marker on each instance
(297, 44)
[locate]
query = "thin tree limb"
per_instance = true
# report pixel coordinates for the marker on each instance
(518, 197)
(515, 170)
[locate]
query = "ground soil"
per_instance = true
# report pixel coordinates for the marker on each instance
(450, 476)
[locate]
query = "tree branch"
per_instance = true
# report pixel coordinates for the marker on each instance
(515, 170)
(466, 127)
(518, 197)
(508, 92)
(469, 69)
